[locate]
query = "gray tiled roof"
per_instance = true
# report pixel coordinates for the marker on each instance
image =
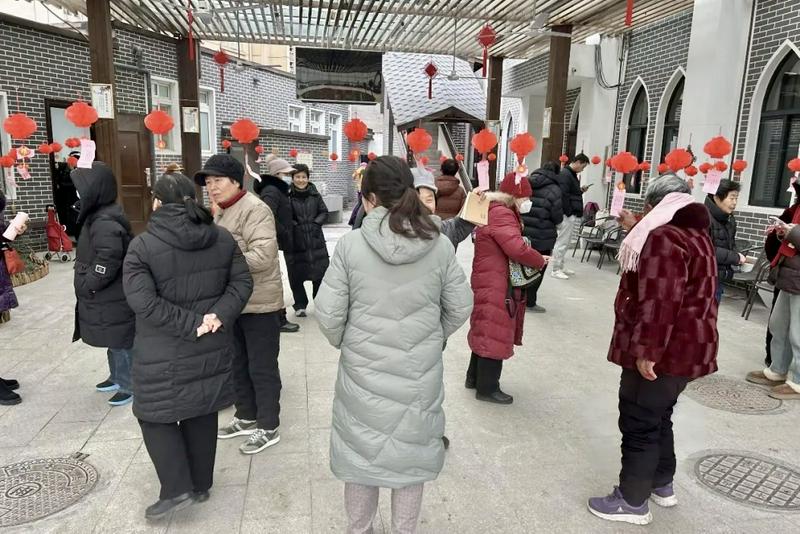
(407, 88)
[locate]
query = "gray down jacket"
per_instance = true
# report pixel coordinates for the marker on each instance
(389, 303)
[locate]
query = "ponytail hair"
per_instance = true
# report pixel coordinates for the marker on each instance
(176, 188)
(389, 179)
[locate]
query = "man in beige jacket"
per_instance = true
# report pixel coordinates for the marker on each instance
(257, 332)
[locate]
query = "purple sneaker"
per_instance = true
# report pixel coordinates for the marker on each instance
(664, 496)
(614, 508)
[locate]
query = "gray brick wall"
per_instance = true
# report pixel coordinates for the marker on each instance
(654, 52)
(526, 74)
(774, 22)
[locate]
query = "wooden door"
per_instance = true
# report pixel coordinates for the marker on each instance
(135, 143)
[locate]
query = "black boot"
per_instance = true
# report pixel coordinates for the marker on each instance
(8, 397)
(10, 383)
(164, 507)
(498, 397)
(201, 496)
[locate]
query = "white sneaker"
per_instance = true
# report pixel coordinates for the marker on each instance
(561, 275)
(568, 272)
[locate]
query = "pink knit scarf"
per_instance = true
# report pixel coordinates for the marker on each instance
(663, 213)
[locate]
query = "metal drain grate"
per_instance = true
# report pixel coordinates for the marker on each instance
(38, 488)
(733, 395)
(750, 479)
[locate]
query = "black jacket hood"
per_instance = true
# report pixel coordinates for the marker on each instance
(694, 215)
(542, 177)
(267, 180)
(309, 191)
(716, 212)
(171, 224)
(96, 187)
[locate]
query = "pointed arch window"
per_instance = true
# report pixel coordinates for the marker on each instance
(672, 120)
(778, 137)
(637, 137)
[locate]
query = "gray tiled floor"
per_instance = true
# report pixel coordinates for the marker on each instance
(524, 468)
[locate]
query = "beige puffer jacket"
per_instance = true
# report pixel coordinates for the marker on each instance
(251, 223)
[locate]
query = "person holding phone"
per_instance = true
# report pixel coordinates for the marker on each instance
(572, 204)
(721, 206)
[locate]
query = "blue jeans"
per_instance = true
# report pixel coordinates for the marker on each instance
(718, 293)
(119, 368)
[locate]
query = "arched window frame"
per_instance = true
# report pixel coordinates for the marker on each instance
(677, 82)
(633, 181)
(753, 125)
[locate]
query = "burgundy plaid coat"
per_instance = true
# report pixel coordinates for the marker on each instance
(666, 311)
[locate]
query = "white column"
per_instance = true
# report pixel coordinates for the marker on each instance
(598, 107)
(534, 111)
(714, 72)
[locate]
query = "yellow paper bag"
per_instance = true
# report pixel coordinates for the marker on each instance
(475, 210)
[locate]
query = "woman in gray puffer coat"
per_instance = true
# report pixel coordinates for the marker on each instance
(393, 294)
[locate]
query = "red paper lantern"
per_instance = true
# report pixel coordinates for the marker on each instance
(72, 142)
(293, 152)
(221, 59)
(19, 126)
(484, 141)
(334, 156)
(226, 144)
(44, 148)
(81, 114)
(718, 147)
(419, 140)
(721, 166)
(644, 166)
(159, 122)
(486, 37)
(625, 162)
(12, 153)
(459, 157)
(739, 165)
(6, 161)
(355, 130)
(245, 131)
(424, 160)
(372, 156)
(678, 159)
(442, 158)
(55, 148)
(691, 170)
(352, 157)
(609, 163)
(563, 158)
(662, 168)
(72, 161)
(431, 71)
(492, 156)
(704, 167)
(794, 165)
(596, 160)
(522, 144)
(259, 149)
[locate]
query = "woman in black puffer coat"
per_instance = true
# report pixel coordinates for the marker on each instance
(102, 317)
(723, 230)
(309, 257)
(546, 213)
(187, 281)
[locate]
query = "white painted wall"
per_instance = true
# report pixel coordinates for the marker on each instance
(714, 72)
(535, 114)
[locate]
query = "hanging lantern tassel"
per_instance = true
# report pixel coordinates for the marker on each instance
(431, 71)
(629, 13)
(190, 20)
(487, 37)
(221, 59)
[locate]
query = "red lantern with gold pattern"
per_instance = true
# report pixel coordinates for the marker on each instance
(484, 141)
(522, 144)
(159, 122)
(625, 162)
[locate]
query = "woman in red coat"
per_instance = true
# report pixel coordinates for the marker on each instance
(499, 312)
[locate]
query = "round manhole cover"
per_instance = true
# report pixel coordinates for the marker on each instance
(38, 488)
(732, 395)
(751, 479)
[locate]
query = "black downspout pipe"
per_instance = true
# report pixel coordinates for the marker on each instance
(139, 69)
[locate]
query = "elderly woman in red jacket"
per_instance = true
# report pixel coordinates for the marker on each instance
(665, 335)
(499, 312)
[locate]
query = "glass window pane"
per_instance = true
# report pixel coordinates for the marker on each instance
(205, 132)
(784, 90)
(639, 109)
(768, 169)
(204, 97)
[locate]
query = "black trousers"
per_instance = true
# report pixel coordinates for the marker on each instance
(768, 359)
(645, 420)
(296, 281)
(534, 288)
(255, 368)
(485, 372)
(183, 453)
